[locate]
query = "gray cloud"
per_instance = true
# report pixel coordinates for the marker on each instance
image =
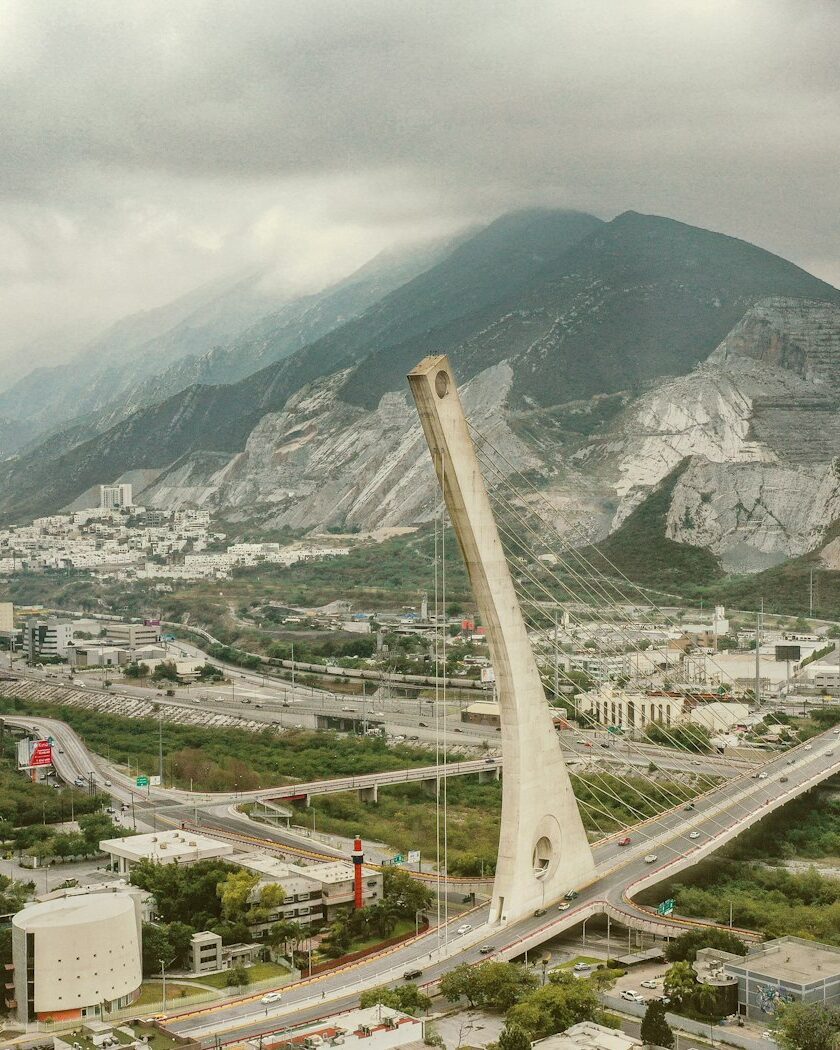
(149, 146)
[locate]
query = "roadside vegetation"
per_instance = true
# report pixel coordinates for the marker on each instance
(229, 759)
(405, 818)
(24, 802)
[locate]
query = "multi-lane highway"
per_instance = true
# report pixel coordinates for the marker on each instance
(677, 839)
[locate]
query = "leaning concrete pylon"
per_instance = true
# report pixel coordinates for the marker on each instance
(543, 848)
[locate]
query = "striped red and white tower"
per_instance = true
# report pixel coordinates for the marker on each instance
(358, 858)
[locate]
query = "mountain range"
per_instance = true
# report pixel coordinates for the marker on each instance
(597, 355)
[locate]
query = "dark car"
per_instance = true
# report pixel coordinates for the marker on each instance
(688, 807)
(486, 949)
(570, 896)
(539, 912)
(412, 975)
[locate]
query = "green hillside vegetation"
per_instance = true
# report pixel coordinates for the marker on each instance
(641, 551)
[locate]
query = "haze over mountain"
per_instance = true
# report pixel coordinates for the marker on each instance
(570, 334)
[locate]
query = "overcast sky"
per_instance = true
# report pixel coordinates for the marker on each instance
(146, 147)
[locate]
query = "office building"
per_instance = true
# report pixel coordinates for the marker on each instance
(115, 497)
(73, 954)
(209, 955)
(46, 640)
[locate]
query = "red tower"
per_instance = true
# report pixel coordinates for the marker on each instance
(358, 856)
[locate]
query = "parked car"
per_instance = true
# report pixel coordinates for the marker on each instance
(631, 996)
(582, 967)
(649, 984)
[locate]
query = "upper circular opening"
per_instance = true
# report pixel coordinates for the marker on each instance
(442, 383)
(541, 858)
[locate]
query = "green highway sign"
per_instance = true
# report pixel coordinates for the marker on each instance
(615, 729)
(142, 782)
(398, 859)
(667, 907)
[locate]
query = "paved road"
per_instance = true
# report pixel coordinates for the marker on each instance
(718, 816)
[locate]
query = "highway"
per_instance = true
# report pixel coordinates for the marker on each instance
(679, 838)
(400, 718)
(621, 871)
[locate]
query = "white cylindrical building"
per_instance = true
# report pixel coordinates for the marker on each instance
(76, 953)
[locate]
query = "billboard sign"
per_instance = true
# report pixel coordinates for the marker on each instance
(34, 753)
(41, 754)
(414, 856)
(488, 675)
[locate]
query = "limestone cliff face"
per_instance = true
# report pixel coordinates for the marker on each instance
(758, 422)
(323, 462)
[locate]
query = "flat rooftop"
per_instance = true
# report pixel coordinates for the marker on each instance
(794, 960)
(166, 847)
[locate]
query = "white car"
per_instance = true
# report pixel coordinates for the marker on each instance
(582, 967)
(650, 858)
(694, 835)
(271, 997)
(464, 929)
(649, 984)
(564, 906)
(631, 996)
(807, 747)
(829, 753)
(837, 732)
(108, 784)
(762, 776)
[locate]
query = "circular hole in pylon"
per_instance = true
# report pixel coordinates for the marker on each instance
(541, 858)
(442, 383)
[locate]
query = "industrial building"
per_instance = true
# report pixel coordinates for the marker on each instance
(133, 635)
(788, 969)
(75, 953)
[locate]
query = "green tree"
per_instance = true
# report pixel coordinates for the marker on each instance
(156, 948)
(406, 997)
(655, 1029)
(136, 670)
(808, 1026)
(706, 1000)
(407, 894)
(501, 985)
(680, 982)
(514, 1037)
(234, 893)
(460, 983)
(564, 1001)
(685, 947)
(237, 977)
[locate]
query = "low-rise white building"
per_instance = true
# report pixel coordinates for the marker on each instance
(163, 847)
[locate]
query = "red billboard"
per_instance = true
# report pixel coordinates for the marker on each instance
(41, 754)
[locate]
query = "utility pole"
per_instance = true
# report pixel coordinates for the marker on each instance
(811, 593)
(160, 748)
(759, 616)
